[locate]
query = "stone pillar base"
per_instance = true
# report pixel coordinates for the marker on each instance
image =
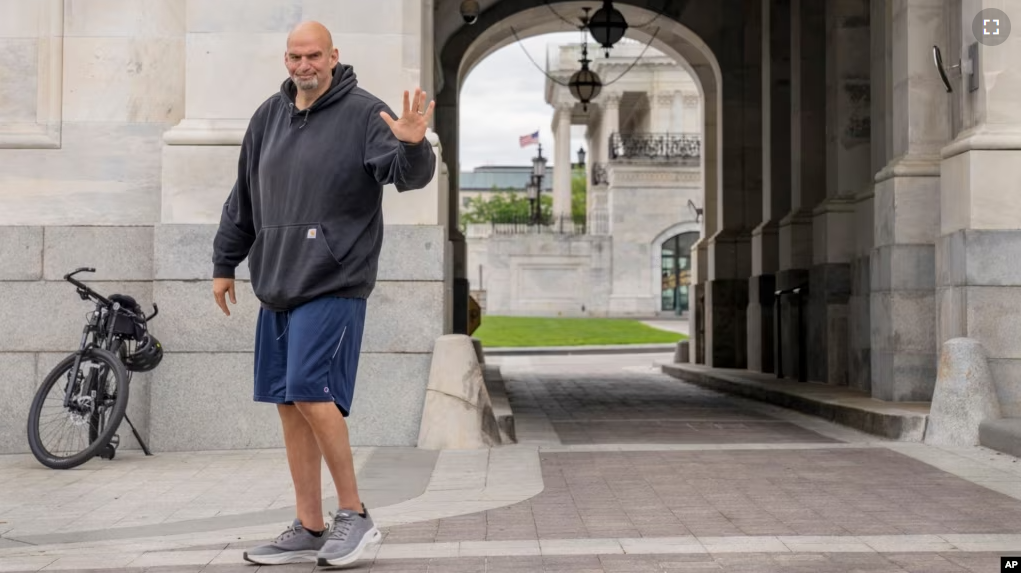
(903, 322)
(978, 297)
(858, 326)
(697, 328)
(760, 341)
(196, 181)
(726, 304)
(829, 290)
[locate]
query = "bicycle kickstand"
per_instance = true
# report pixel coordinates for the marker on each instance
(138, 437)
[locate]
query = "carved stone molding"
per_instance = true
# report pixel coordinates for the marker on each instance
(44, 130)
(612, 99)
(656, 175)
(691, 100)
(665, 99)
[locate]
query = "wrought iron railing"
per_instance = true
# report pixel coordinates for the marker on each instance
(599, 174)
(655, 146)
(566, 225)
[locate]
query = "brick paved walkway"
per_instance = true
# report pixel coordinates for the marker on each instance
(622, 469)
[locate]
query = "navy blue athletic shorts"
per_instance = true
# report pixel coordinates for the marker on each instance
(309, 354)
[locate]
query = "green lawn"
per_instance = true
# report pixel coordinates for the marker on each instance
(498, 331)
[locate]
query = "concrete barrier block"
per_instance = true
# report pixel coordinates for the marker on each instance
(681, 352)
(963, 396)
(457, 412)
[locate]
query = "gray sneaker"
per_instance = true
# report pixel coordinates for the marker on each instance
(349, 535)
(295, 544)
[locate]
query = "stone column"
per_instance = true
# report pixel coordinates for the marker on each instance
(859, 344)
(907, 209)
(691, 115)
(199, 160)
(712, 169)
(739, 209)
(848, 172)
(562, 161)
(609, 123)
(662, 112)
(677, 113)
(776, 202)
(87, 91)
(977, 252)
(808, 169)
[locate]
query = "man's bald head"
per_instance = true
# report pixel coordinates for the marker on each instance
(311, 31)
(310, 57)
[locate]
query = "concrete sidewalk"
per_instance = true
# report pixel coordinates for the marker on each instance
(618, 468)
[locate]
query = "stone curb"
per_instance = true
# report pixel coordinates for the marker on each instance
(581, 350)
(899, 421)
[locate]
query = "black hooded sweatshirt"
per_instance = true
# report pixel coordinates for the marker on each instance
(306, 207)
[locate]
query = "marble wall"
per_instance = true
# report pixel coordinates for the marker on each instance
(542, 274)
(103, 81)
(647, 204)
(200, 396)
(617, 274)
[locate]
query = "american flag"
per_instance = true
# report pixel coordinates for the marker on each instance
(528, 140)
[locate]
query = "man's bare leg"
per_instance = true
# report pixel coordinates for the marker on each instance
(305, 460)
(331, 431)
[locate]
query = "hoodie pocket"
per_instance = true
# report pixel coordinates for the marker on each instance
(291, 264)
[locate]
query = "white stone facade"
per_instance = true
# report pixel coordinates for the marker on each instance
(638, 194)
(119, 134)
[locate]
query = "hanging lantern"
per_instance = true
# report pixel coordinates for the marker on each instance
(607, 26)
(585, 84)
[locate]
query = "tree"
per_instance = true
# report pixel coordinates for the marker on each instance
(504, 207)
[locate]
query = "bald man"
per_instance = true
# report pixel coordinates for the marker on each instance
(306, 212)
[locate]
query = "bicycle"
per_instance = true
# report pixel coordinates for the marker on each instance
(115, 343)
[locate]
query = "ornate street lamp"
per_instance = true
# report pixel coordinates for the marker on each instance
(536, 183)
(532, 191)
(581, 157)
(539, 163)
(607, 26)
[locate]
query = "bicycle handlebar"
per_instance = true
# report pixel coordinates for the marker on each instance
(87, 290)
(82, 286)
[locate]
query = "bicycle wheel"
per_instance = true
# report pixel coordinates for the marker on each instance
(64, 437)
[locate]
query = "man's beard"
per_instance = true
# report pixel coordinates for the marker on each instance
(310, 84)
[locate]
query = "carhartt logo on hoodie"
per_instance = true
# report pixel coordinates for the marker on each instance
(311, 234)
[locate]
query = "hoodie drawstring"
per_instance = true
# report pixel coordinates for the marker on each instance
(291, 116)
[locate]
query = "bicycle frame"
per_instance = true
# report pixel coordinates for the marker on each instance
(103, 317)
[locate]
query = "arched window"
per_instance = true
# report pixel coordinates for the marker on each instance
(675, 263)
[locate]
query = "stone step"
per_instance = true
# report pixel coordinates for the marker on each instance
(1003, 435)
(849, 407)
(500, 403)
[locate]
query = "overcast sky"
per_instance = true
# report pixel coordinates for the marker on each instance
(503, 99)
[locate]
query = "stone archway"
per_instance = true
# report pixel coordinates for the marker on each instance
(715, 42)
